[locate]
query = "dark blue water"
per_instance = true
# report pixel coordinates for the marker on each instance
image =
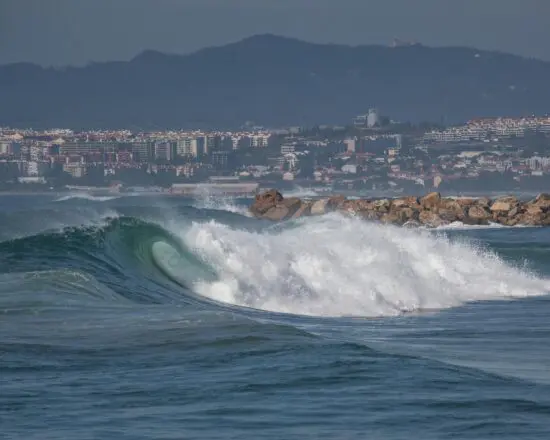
(151, 318)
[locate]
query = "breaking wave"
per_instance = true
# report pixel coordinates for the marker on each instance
(86, 196)
(326, 266)
(334, 266)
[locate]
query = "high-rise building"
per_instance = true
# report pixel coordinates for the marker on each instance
(143, 151)
(373, 118)
(165, 151)
(222, 160)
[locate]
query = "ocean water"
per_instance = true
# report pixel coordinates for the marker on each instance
(170, 318)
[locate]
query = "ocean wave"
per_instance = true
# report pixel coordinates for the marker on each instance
(86, 196)
(215, 202)
(336, 266)
(325, 266)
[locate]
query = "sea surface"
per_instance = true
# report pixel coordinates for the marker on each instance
(170, 318)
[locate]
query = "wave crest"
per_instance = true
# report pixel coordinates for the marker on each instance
(336, 266)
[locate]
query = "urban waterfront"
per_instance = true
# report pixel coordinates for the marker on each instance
(373, 153)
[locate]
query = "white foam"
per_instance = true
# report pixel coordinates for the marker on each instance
(86, 196)
(299, 191)
(462, 226)
(208, 200)
(336, 266)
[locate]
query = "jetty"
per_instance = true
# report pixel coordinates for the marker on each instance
(431, 210)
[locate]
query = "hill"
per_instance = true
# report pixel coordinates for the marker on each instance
(275, 81)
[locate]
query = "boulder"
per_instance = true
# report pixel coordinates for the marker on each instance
(450, 215)
(292, 203)
(356, 205)
(431, 210)
(533, 209)
(479, 213)
(335, 203)
(465, 202)
(319, 207)
(265, 201)
(542, 197)
(430, 200)
(303, 210)
(397, 217)
(502, 206)
(513, 212)
(370, 215)
(542, 201)
(451, 209)
(431, 219)
(382, 205)
(410, 202)
(483, 201)
(276, 213)
(534, 218)
(509, 221)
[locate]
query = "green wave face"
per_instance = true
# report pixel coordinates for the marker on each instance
(126, 259)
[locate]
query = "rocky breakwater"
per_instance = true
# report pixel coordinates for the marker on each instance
(432, 210)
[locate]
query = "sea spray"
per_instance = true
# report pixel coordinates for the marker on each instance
(336, 266)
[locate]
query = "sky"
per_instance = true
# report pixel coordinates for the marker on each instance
(76, 32)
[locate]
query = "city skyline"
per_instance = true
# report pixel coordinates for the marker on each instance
(76, 33)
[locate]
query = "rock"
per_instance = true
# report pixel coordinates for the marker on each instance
(430, 200)
(450, 215)
(398, 216)
(335, 203)
(431, 219)
(319, 207)
(431, 210)
(534, 209)
(483, 201)
(542, 197)
(265, 201)
(382, 205)
(276, 213)
(542, 201)
(411, 213)
(451, 209)
(513, 212)
(370, 215)
(398, 203)
(465, 202)
(504, 203)
(501, 206)
(356, 205)
(534, 218)
(479, 214)
(509, 221)
(303, 210)
(410, 202)
(293, 204)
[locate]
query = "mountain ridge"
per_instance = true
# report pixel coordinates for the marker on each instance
(275, 81)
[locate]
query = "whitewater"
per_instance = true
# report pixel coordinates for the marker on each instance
(152, 317)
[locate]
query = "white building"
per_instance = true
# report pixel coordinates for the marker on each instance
(373, 118)
(349, 168)
(259, 140)
(190, 146)
(287, 149)
(350, 145)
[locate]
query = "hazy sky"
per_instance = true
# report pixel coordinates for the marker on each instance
(61, 32)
